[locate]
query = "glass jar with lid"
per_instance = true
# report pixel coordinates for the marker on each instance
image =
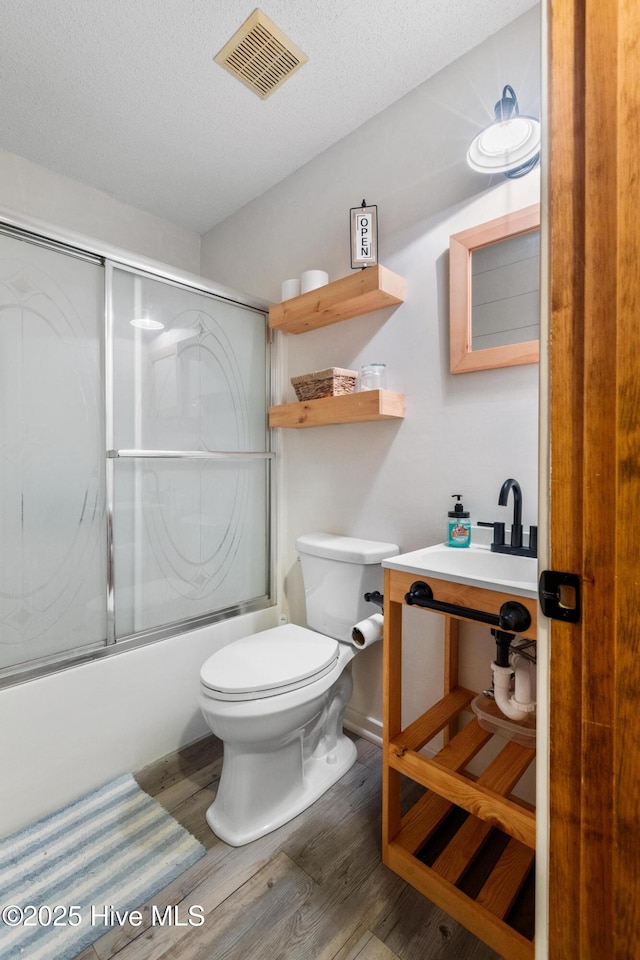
(373, 376)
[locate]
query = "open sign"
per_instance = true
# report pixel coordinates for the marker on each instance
(364, 236)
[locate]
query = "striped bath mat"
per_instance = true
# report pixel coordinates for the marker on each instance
(61, 878)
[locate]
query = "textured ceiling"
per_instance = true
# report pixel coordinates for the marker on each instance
(124, 95)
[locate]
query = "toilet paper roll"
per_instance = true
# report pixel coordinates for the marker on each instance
(312, 279)
(289, 289)
(368, 631)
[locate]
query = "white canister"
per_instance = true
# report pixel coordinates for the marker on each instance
(290, 288)
(312, 279)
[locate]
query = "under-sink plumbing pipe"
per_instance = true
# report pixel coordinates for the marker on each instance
(519, 705)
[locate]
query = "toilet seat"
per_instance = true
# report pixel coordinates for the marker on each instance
(269, 663)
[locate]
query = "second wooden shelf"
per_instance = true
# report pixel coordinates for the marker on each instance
(350, 408)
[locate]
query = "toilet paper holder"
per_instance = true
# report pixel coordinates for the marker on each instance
(375, 597)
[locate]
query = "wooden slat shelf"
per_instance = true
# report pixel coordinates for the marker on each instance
(352, 296)
(472, 914)
(350, 408)
(485, 798)
(439, 881)
(424, 729)
(507, 879)
(466, 844)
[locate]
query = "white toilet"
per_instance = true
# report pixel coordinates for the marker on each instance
(277, 698)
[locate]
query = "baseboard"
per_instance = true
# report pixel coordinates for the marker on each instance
(371, 729)
(368, 727)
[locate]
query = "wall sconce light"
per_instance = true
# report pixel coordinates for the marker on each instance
(510, 145)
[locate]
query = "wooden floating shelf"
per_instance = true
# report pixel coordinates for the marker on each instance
(362, 292)
(350, 408)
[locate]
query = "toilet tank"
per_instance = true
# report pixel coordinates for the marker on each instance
(337, 572)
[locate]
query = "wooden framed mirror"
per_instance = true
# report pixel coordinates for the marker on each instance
(494, 293)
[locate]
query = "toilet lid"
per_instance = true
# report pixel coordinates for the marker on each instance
(270, 662)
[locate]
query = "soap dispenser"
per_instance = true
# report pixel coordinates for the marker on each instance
(459, 531)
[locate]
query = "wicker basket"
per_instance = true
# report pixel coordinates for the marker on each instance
(333, 382)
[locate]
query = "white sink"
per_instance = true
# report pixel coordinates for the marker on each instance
(476, 566)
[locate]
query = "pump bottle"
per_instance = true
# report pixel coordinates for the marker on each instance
(459, 527)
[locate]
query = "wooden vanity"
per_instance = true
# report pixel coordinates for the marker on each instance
(467, 844)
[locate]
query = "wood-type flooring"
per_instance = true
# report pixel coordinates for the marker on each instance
(315, 889)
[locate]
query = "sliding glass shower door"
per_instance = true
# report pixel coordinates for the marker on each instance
(190, 453)
(135, 471)
(52, 497)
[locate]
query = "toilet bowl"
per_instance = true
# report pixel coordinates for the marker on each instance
(277, 698)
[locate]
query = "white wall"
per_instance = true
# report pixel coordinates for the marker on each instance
(393, 481)
(69, 732)
(31, 190)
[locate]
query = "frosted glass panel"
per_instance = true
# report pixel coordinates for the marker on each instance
(190, 537)
(190, 534)
(53, 557)
(197, 381)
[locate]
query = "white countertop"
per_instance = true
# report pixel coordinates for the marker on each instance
(476, 566)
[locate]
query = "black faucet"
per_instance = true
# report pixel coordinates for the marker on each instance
(515, 547)
(516, 526)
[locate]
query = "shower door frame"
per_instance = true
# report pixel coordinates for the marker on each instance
(41, 233)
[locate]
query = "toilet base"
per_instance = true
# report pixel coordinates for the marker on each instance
(318, 774)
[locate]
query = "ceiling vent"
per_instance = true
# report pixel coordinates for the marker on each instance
(260, 55)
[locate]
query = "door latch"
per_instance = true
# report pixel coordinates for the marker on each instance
(559, 595)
